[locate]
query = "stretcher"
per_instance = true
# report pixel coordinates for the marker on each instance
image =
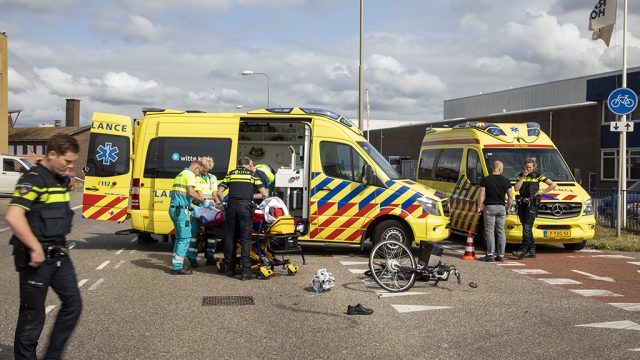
(273, 236)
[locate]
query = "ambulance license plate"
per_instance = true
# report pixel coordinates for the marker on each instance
(557, 233)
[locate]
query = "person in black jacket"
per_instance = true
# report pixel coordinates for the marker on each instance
(40, 217)
(244, 186)
(493, 189)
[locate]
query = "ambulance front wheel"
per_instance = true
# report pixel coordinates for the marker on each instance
(392, 230)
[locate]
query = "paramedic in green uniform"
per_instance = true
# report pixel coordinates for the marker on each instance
(182, 192)
(266, 172)
(206, 186)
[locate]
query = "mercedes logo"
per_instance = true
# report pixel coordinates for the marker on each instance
(556, 210)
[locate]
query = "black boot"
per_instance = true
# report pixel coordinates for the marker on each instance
(519, 253)
(530, 253)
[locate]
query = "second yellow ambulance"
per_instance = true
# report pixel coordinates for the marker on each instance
(454, 159)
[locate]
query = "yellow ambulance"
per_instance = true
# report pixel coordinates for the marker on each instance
(328, 174)
(454, 159)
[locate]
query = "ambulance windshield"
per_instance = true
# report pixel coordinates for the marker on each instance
(380, 160)
(549, 161)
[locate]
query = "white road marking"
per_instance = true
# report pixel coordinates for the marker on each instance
(638, 349)
(82, 282)
(627, 306)
(132, 251)
(385, 294)
(133, 240)
(510, 263)
(119, 264)
(5, 229)
(49, 308)
(76, 207)
(103, 265)
(623, 324)
(594, 277)
(358, 271)
(614, 256)
(634, 262)
(594, 292)
(341, 256)
(530, 271)
(96, 284)
(560, 281)
(412, 308)
(350, 263)
(119, 251)
(590, 251)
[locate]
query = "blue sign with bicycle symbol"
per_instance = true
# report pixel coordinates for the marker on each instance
(622, 101)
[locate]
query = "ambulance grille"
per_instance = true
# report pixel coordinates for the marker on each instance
(559, 210)
(227, 300)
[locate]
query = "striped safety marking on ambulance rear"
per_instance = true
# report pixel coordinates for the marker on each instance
(105, 207)
(463, 205)
(346, 209)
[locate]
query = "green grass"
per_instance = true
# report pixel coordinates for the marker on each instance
(606, 239)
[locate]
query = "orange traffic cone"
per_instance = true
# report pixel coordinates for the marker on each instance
(469, 251)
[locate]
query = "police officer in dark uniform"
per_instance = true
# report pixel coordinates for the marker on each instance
(528, 184)
(244, 186)
(40, 217)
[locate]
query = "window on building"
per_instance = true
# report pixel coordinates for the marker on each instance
(448, 167)
(39, 149)
(12, 149)
(19, 150)
(341, 161)
(427, 158)
(609, 164)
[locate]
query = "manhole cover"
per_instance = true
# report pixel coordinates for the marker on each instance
(227, 300)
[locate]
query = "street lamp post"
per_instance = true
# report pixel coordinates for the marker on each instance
(249, 72)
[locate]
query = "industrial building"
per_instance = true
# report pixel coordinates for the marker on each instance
(573, 112)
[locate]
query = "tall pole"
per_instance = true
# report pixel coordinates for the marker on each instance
(622, 181)
(268, 91)
(368, 115)
(361, 71)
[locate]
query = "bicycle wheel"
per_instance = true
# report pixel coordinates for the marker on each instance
(392, 266)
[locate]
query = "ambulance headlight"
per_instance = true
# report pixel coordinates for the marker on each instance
(429, 205)
(588, 207)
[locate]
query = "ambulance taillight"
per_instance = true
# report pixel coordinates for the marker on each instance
(135, 194)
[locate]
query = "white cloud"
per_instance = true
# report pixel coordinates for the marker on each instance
(472, 23)
(391, 74)
(141, 28)
(17, 82)
(504, 65)
(541, 38)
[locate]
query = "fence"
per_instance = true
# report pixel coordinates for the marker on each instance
(605, 204)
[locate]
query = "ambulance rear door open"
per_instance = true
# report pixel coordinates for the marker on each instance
(108, 169)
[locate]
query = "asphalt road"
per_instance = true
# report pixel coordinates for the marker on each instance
(133, 308)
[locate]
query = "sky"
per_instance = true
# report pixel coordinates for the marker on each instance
(119, 56)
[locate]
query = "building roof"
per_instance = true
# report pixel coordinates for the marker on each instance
(43, 133)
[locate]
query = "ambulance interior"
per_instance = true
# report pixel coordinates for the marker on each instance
(285, 147)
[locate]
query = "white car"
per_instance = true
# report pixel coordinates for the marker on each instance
(11, 168)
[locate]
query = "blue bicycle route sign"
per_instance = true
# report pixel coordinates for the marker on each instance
(622, 101)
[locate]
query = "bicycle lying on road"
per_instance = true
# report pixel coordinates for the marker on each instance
(394, 267)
